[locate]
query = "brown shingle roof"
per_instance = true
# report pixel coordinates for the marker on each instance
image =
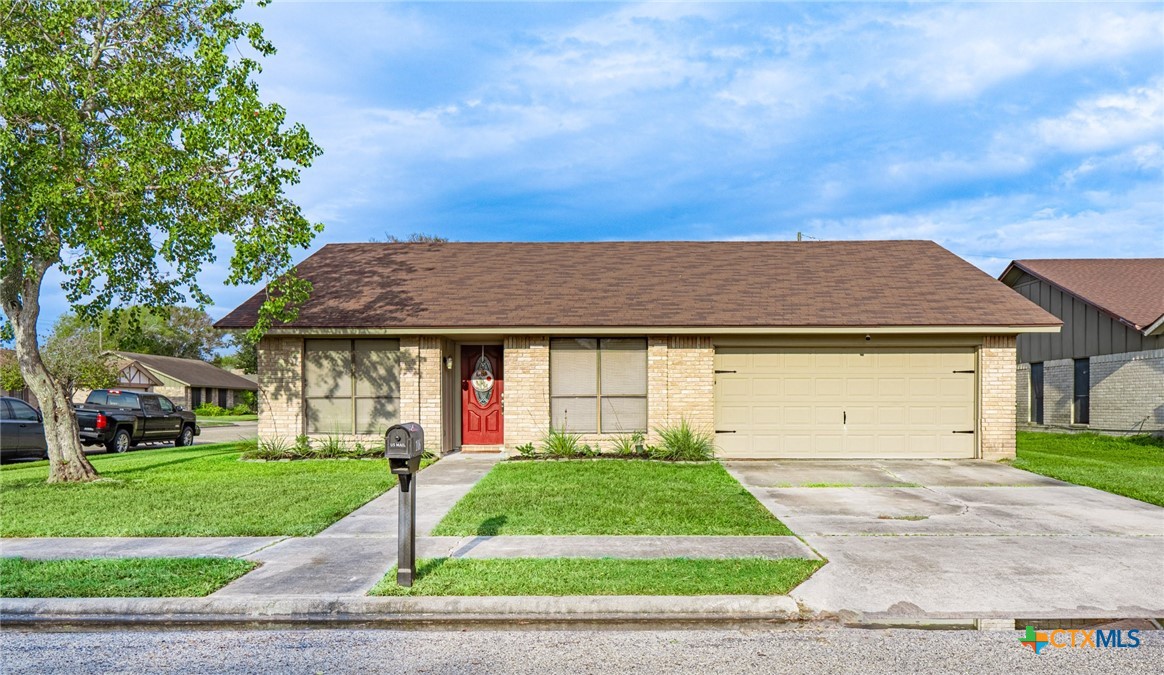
(1131, 289)
(191, 371)
(649, 284)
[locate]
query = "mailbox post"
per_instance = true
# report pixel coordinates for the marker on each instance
(403, 446)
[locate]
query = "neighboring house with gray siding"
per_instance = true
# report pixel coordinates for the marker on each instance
(1105, 370)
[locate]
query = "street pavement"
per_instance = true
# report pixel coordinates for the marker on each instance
(791, 650)
(239, 431)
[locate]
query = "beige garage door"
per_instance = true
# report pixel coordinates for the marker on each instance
(844, 403)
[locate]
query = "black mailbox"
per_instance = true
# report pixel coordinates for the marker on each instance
(403, 446)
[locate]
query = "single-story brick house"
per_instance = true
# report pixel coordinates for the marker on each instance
(186, 382)
(1105, 370)
(784, 349)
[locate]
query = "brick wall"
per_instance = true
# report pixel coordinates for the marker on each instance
(996, 396)
(1127, 390)
(690, 381)
(280, 387)
(680, 384)
(527, 388)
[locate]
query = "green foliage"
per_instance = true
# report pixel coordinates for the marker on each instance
(184, 332)
(560, 443)
(194, 491)
(118, 577)
(629, 445)
(74, 356)
(245, 356)
(240, 409)
(605, 576)
(682, 442)
(332, 446)
(133, 138)
(526, 450)
(10, 377)
(1131, 466)
(608, 497)
(211, 410)
(414, 238)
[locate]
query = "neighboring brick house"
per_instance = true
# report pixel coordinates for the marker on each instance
(1105, 370)
(783, 349)
(186, 382)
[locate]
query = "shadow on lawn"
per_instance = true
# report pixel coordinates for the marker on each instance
(159, 464)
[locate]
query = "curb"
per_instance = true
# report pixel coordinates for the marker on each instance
(575, 612)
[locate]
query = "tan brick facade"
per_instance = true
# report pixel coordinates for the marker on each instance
(527, 388)
(680, 385)
(280, 387)
(996, 397)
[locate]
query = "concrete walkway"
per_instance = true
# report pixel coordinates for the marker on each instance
(349, 557)
(56, 548)
(963, 538)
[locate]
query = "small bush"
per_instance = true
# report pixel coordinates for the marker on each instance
(526, 450)
(561, 443)
(682, 442)
(241, 409)
(628, 445)
(210, 410)
(331, 447)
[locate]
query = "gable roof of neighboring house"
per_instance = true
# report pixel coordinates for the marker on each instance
(191, 372)
(1130, 290)
(658, 284)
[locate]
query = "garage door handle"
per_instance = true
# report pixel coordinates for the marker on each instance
(725, 431)
(724, 371)
(968, 431)
(963, 371)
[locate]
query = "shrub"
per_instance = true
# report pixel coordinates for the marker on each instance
(246, 398)
(526, 450)
(331, 447)
(561, 443)
(682, 442)
(628, 445)
(241, 409)
(210, 410)
(271, 449)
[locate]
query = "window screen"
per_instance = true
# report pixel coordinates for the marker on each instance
(351, 386)
(598, 385)
(1037, 393)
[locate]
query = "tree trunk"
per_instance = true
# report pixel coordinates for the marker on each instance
(67, 462)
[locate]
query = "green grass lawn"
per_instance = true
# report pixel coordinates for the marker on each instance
(1129, 466)
(605, 576)
(183, 492)
(627, 497)
(118, 577)
(224, 420)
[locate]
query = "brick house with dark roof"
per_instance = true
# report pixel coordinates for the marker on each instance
(1105, 370)
(783, 349)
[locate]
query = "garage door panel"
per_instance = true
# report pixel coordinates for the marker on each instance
(857, 403)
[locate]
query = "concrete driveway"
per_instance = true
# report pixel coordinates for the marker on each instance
(953, 539)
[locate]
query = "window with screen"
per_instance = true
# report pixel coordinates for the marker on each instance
(351, 386)
(598, 385)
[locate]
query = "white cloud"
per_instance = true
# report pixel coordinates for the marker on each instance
(1104, 122)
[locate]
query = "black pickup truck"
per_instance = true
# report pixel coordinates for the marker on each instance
(121, 419)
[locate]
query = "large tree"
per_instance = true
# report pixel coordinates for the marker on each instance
(185, 332)
(133, 142)
(74, 356)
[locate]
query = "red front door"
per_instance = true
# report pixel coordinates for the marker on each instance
(481, 387)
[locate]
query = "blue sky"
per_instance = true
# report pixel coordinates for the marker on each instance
(999, 130)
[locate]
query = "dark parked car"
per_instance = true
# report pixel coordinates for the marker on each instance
(121, 419)
(21, 431)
